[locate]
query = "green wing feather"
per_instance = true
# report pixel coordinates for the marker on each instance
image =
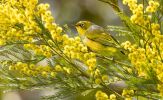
(98, 34)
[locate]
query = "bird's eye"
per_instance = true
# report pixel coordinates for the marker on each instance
(81, 25)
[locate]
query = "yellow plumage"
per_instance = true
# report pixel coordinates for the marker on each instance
(95, 46)
(96, 38)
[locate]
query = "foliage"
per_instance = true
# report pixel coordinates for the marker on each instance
(29, 36)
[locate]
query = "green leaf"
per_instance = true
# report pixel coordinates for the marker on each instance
(87, 92)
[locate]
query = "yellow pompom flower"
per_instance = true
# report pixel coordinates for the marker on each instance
(101, 96)
(58, 68)
(112, 97)
(98, 81)
(105, 78)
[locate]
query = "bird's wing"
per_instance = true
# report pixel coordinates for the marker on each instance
(98, 34)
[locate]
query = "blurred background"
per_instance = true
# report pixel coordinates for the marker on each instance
(69, 12)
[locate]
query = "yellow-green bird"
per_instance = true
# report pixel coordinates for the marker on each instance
(97, 39)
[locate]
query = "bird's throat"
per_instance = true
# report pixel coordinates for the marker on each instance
(80, 31)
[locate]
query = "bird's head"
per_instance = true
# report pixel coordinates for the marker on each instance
(82, 26)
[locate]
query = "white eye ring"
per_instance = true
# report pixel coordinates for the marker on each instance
(82, 25)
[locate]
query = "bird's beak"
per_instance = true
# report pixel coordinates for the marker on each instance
(76, 25)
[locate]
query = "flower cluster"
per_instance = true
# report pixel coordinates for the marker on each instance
(139, 15)
(148, 55)
(39, 49)
(17, 20)
(34, 70)
(23, 22)
(99, 78)
(112, 97)
(75, 49)
(153, 5)
(127, 94)
(101, 96)
(137, 11)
